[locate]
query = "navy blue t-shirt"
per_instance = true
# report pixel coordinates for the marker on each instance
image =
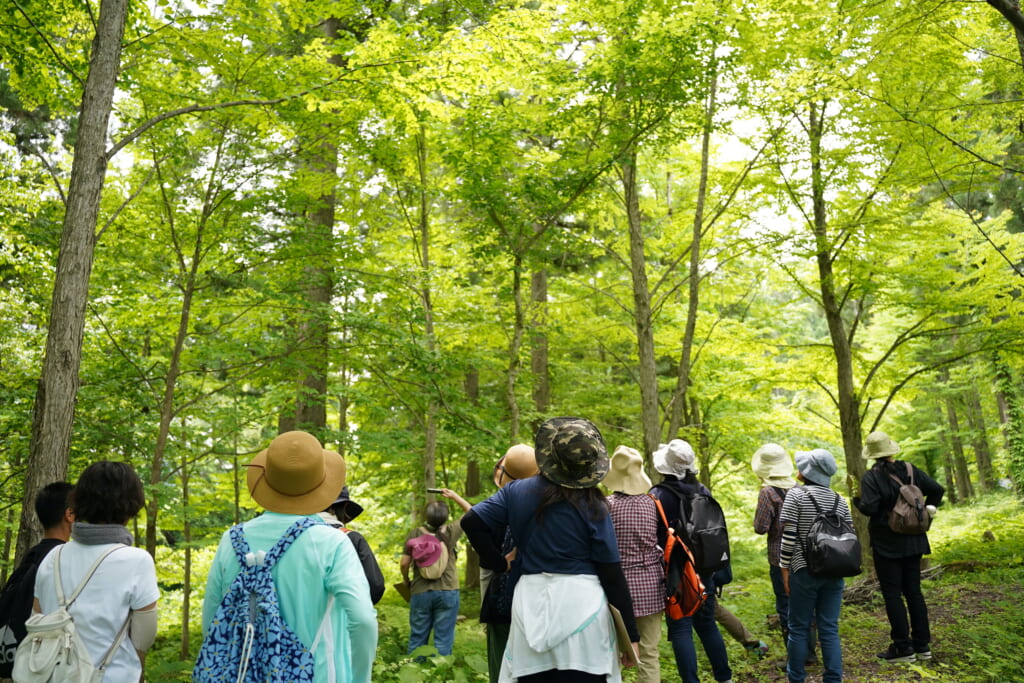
(563, 541)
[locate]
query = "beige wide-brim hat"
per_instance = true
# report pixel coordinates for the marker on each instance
(626, 473)
(772, 466)
(519, 462)
(879, 445)
(295, 475)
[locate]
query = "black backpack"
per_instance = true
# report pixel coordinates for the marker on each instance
(16, 604)
(702, 526)
(831, 549)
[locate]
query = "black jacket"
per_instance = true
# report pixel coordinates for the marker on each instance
(16, 602)
(878, 494)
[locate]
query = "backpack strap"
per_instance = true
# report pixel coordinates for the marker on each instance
(112, 650)
(267, 558)
(910, 472)
(88, 575)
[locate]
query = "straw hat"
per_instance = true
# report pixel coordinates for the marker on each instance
(879, 445)
(772, 466)
(571, 452)
(675, 458)
(519, 462)
(294, 475)
(627, 473)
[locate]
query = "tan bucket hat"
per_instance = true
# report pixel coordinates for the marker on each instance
(295, 475)
(519, 462)
(772, 466)
(879, 445)
(627, 473)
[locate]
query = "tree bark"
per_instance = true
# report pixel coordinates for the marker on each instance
(641, 306)
(54, 408)
(847, 398)
(680, 395)
(539, 344)
(979, 439)
(957, 454)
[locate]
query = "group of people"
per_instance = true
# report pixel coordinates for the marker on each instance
(573, 582)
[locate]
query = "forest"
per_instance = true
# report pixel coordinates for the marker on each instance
(417, 229)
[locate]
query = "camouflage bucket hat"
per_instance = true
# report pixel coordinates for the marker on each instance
(571, 453)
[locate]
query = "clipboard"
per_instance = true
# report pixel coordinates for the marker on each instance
(622, 636)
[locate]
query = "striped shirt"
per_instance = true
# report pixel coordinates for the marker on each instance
(635, 519)
(798, 515)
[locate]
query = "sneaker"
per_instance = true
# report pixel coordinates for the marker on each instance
(760, 648)
(894, 655)
(923, 654)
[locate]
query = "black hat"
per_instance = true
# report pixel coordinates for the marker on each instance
(352, 510)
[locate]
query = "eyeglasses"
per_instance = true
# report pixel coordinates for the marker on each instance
(500, 467)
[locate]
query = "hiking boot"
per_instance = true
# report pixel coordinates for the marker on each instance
(923, 655)
(760, 648)
(894, 655)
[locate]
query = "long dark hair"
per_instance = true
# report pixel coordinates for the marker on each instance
(590, 502)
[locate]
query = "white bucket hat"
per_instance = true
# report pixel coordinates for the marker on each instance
(675, 458)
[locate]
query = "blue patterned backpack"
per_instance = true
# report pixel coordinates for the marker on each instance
(248, 640)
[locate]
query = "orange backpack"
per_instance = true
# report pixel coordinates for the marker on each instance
(684, 591)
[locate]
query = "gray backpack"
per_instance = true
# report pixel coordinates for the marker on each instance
(908, 515)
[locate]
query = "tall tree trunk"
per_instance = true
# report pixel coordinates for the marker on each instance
(426, 298)
(539, 345)
(957, 455)
(54, 409)
(680, 395)
(641, 306)
(315, 325)
(1013, 429)
(186, 591)
(847, 398)
(979, 439)
(515, 348)
(472, 488)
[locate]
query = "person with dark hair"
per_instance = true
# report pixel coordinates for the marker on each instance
(433, 602)
(342, 511)
(566, 552)
(497, 588)
(123, 589)
(51, 505)
(677, 462)
(897, 557)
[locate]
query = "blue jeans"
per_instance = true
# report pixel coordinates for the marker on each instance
(435, 610)
(680, 634)
(811, 597)
(781, 598)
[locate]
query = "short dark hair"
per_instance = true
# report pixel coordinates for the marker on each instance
(51, 502)
(107, 493)
(437, 514)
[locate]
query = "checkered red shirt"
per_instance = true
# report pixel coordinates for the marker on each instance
(766, 521)
(635, 519)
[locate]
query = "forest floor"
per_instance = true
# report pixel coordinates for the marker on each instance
(952, 609)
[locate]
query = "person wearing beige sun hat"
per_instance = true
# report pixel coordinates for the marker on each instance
(319, 580)
(774, 468)
(635, 518)
(897, 556)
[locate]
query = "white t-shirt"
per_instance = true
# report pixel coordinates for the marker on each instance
(126, 580)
